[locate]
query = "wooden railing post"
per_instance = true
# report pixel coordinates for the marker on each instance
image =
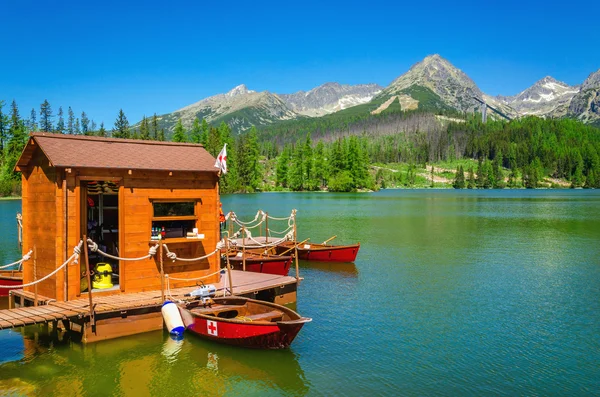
(244, 249)
(296, 247)
(266, 228)
(86, 261)
(35, 287)
(162, 271)
(229, 268)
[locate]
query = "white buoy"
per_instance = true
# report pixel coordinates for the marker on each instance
(172, 318)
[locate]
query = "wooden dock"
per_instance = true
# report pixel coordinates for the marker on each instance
(139, 311)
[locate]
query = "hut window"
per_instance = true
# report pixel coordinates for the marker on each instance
(176, 218)
(174, 209)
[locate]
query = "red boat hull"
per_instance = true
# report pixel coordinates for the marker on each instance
(326, 253)
(227, 321)
(8, 279)
(270, 265)
(247, 335)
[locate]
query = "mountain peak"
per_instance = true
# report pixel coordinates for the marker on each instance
(239, 90)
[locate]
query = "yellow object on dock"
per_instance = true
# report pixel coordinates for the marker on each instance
(102, 276)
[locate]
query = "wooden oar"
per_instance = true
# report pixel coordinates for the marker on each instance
(288, 250)
(326, 241)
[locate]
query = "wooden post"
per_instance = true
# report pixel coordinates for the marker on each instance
(66, 237)
(35, 287)
(296, 247)
(162, 271)
(229, 270)
(10, 299)
(86, 261)
(266, 227)
(244, 249)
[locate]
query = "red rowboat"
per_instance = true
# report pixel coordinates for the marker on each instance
(243, 322)
(10, 277)
(322, 252)
(260, 262)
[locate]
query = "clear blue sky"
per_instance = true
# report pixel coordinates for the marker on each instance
(147, 57)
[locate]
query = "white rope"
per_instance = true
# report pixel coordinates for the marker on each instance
(282, 219)
(287, 237)
(75, 256)
(271, 231)
(25, 258)
(173, 256)
(94, 248)
(259, 213)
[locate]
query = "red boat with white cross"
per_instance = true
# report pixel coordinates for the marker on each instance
(243, 322)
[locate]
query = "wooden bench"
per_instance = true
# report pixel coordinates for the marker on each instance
(268, 316)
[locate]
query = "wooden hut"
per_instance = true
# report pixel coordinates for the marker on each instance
(117, 192)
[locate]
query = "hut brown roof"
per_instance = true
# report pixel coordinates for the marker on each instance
(95, 152)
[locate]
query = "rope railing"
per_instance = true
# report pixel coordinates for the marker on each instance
(93, 246)
(173, 256)
(287, 237)
(25, 258)
(74, 258)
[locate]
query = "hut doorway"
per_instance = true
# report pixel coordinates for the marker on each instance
(100, 221)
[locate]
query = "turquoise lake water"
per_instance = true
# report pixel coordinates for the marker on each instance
(452, 293)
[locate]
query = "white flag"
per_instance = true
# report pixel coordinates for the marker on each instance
(221, 162)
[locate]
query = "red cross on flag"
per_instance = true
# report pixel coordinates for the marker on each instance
(211, 327)
(221, 162)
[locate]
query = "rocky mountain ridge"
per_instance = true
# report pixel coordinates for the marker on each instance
(433, 84)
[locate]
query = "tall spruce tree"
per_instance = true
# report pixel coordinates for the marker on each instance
(196, 132)
(70, 121)
(102, 130)
(144, 129)
(471, 184)
(121, 128)
(179, 134)
(60, 124)
(85, 124)
(3, 128)
(459, 179)
(46, 117)
(155, 131)
(32, 121)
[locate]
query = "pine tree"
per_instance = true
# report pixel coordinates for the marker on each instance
(320, 165)
(60, 124)
(46, 117)
(144, 129)
(32, 121)
(459, 179)
(309, 175)
(77, 128)
(472, 184)
(121, 128)
(70, 121)
(481, 175)
(16, 142)
(161, 135)
(205, 132)
(196, 132)
(253, 152)
(155, 131)
(85, 124)
(92, 130)
(102, 130)
(179, 134)
(213, 144)
(283, 167)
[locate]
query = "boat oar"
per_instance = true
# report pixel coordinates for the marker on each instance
(328, 240)
(289, 249)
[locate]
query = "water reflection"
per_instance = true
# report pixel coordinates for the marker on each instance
(346, 268)
(145, 364)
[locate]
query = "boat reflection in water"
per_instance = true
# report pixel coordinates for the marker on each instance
(146, 364)
(344, 268)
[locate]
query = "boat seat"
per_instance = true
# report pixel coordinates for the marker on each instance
(216, 309)
(268, 316)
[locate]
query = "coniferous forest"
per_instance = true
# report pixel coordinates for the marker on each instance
(396, 149)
